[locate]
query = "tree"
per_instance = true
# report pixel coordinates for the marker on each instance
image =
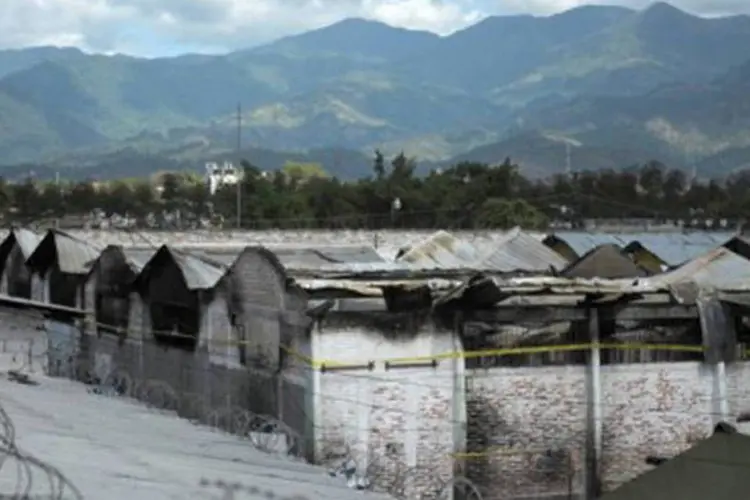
(505, 213)
(82, 198)
(26, 197)
(464, 195)
(170, 191)
(144, 199)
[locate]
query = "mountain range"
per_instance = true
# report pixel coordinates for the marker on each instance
(592, 87)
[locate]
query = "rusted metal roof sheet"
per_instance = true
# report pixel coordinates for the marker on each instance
(441, 250)
(720, 269)
(520, 251)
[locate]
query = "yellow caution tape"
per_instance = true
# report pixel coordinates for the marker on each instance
(509, 351)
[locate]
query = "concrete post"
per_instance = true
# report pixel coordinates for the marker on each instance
(594, 422)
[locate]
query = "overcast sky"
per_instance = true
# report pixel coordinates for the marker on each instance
(168, 27)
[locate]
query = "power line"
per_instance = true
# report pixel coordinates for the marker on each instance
(240, 178)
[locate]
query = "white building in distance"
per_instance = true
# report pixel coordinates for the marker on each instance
(221, 175)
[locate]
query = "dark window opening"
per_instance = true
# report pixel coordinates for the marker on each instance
(176, 325)
(112, 312)
(19, 276)
(63, 288)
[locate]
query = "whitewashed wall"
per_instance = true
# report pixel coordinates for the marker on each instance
(389, 421)
(657, 409)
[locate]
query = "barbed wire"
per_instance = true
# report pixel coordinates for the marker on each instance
(368, 468)
(26, 465)
(382, 473)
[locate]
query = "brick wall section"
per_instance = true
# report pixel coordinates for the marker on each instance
(398, 425)
(738, 391)
(23, 341)
(657, 409)
(530, 414)
(525, 430)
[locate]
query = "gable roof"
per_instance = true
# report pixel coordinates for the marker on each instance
(581, 242)
(441, 250)
(136, 259)
(199, 273)
(517, 250)
(677, 248)
(716, 467)
(73, 255)
(26, 240)
(605, 261)
(719, 268)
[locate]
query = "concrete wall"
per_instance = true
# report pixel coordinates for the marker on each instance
(268, 316)
(16, 277)
(400, 425)
(23, 341)
(259, 301)
(527, 425)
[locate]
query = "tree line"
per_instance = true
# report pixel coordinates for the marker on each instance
(466, 195)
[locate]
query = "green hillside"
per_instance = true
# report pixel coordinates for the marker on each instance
(620, 84)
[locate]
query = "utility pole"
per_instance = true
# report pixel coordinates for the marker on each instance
(240, 178)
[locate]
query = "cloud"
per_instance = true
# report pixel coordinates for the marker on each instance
(157, 27)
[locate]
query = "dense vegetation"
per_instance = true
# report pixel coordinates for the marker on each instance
(467, 195)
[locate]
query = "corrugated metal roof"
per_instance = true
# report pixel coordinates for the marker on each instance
(27, 240)
(677, 248)
(291, 256)
(198, 273)
(520, 251)
(441, 250)
(673, 248)
(137, 258)
(606, 261)
(73, 255)
(582, 242)
(296, 255)
(719, 268)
